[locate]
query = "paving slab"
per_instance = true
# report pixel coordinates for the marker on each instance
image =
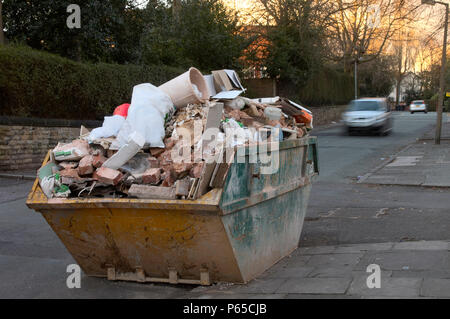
(390, 287)
(260, 286)
(334, 260)
(422, 245)
(315, 286)
(421, 164)
(362, 248)
(407, 260)
(435, 288)
(316, 250)
(436, 274)
(289, 272)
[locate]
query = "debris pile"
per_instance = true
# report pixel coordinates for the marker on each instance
(151, 149)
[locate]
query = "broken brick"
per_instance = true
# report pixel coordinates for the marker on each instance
(169, 143)
(156, 151)
(98, 160)
(65, 165)
(152, 176)
(197, 170)
(154, 162)
(108, 176)
(182, 169)
(169, 178)
(85, 166)
(70, 173)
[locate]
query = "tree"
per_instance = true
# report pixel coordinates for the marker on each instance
(364, 27)
(204, 34)
(405, 52)
(376, 78)
(293, 33)
(42, 25)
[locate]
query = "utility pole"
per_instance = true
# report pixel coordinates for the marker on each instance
(356, 79)
(443, 68)
(442, 81)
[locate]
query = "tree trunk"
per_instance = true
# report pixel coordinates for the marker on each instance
(397, 93)
(2, 35)
(176, 5)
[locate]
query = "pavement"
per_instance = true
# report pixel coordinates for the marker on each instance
(407, 270)
(349, 226)
(419, 164)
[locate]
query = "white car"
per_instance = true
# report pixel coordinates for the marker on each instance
(418, 106)
(370, 114)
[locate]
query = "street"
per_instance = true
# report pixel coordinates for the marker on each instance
(341, 212)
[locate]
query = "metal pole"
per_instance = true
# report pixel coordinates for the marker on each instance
(442, 80)
(356, 79)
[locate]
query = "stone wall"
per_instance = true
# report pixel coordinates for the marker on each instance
(25, 142)
(327, 114)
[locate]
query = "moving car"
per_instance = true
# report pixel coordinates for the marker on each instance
(368, 114)
(418, 106)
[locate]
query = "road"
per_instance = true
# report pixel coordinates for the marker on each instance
(344, 212)
(33, 261)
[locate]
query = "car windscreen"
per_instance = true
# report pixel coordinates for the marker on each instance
(418, 102)
(355, 106)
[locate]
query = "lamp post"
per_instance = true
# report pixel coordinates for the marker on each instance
(443, 67)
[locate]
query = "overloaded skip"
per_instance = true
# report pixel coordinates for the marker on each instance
(155, 150)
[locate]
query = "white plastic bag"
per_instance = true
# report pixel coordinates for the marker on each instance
(111, 126)
(147, 112)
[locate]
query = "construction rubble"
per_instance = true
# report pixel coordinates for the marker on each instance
(132, 154)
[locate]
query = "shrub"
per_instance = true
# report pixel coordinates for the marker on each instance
(38, 84)
(326, 87)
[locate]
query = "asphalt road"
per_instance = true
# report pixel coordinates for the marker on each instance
(343, 212)
(33, 261)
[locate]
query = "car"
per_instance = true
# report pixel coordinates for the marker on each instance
(368, 115)
(418, 106)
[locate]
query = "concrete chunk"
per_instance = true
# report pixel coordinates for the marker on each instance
(152, 192)
(182, 187)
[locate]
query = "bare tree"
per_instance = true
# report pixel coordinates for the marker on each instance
(405, 52)
(365, 27)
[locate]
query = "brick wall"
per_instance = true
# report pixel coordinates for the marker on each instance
(25, 142)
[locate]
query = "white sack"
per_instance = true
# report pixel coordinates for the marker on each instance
(147, 112)
(111, 126)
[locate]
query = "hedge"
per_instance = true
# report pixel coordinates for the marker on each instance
(327, 87)
(38, 84)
